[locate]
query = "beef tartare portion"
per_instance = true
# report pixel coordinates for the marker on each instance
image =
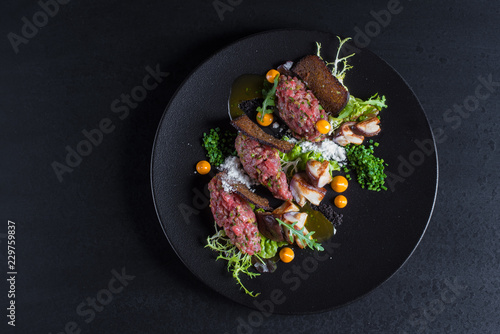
(299, 108)
(235, 216)
(262, 163)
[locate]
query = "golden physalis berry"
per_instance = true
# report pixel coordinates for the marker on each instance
(266, 121)
(271, 75)
(323, 126)
(339, 183)
(340, 201)
(286, 254)
(203, 167)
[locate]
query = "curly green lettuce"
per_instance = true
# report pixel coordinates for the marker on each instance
(357, 108)
(336, 70)
(237, 262)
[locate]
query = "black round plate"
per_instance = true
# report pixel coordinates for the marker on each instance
(380, 229)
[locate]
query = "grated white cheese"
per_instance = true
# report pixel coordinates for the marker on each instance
(328, 149)
(234, 173)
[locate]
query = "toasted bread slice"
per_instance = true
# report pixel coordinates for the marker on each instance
(251, 197)
(332, 95)
(249, 128)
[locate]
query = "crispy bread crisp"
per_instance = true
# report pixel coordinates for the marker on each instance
(251, 197)
(249, 128)
(332, 95)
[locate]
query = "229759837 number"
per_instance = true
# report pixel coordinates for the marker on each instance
(11, 249)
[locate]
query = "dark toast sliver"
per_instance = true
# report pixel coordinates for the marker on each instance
(249, 128)
(332, 95)
(251, 197)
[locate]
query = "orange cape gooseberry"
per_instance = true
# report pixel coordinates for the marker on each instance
(203, 167)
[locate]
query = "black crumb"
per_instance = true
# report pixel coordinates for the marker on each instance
(250, 106)
(330, 214)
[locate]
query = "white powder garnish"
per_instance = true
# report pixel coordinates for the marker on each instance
(234, 173)
(291, 140)
(328, 149)
(276, 125)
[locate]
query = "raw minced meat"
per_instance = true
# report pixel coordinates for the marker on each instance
(235, 216)
(263, 163)
(299, 108)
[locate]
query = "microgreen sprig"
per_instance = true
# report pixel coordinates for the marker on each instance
(307, 238)
(269, 100)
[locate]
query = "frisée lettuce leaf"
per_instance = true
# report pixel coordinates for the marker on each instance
(357, 108)
(237, 262)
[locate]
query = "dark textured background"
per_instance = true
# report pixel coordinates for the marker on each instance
(72, 234)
